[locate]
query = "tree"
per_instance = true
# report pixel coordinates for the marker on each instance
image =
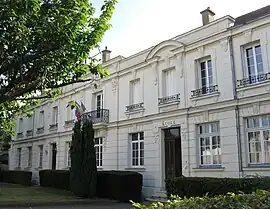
(43, 47)
(83, 171)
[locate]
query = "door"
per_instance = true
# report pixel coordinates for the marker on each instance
(99, 105)
(173, 154)
(54, 152)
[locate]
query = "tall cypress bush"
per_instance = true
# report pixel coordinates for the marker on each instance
(83, 171)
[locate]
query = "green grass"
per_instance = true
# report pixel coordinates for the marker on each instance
(16, 195)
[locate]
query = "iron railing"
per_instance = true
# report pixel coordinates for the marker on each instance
(40, 130)
(97, 116)
(253, 79)
(20, 135)
(169, 99)
(29, 133)
(204, 91)
(134, 107)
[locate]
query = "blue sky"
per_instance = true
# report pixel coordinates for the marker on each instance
(139, 24)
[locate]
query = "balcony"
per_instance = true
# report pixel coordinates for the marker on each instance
(169, 99)
(29, 133)
(98, 116)
(53, 127)
(20, 135)
(204, 91)
(253, 80)
(69, 122)
(134, 107)
(40, 130)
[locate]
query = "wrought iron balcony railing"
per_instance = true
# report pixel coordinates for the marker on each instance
(53, 126)
(98, 116)
(69, 122)
(134, 107)
(253, 79)
(204, 91)
(29, 133)
(20, 135)
(40, 130)
(169, 99)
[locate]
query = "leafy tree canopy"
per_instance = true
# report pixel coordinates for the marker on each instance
(43, 47)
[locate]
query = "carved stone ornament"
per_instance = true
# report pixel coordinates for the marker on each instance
(224, 44)
(256, 108)
(206, 116)
(114, 85)
(248, 35)
(201, 50)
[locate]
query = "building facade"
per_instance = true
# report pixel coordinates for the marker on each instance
(195, 105)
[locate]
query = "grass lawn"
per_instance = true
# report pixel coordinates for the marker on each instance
(11, 194)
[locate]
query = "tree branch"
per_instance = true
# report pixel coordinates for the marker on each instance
(68, 83)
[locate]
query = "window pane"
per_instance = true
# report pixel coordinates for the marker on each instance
(250, 123)
(201, 129)
(249, 52)
(202, 66)
(141, 136)
(256, 122)
(260, 68)
(214, 128)
(134, 137)
(141, 145)
(258, 50)
(202, 141)
(265, 121)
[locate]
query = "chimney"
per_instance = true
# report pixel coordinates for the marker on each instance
(106, 55)
(207, 16)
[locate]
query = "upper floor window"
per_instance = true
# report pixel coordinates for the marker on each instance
(20, 129)
(41, 119)
(258, 139)
(30, 123)
(19, 157)
(135, 94)
(206, 73)
(70, 113)
(169, 82)
(254, 61)
(55, 115)
(99, 104)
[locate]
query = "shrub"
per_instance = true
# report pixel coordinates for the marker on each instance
(54, 178)
(120, 185)
(18, 177)
(196, 186)
(1, 175)
(256, 200)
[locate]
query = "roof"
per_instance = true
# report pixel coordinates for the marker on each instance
(241, 20)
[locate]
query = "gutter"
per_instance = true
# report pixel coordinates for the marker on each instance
(237, 114)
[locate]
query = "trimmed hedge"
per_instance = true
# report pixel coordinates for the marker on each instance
(54, 178)
(17, 177)
(1, 175)
(120, 185)
(200, 186)
(256, 200)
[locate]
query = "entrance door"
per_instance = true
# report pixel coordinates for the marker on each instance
(173, 155)
(54, 152)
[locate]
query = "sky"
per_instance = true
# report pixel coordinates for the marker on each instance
(140, 24)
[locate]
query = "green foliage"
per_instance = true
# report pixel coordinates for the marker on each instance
(43, 47)
(17, 177)
(196, 186)
(54, 178)
(257, 200)
(83, 171)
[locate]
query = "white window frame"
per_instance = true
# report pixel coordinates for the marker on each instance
(30, 123)
(211, 134)
(253, 46)
(205, 60)
(260, 128)
(68, 157)
(138, 141)
(134, 98)
(101, 100)
(54, 115)
(30, 156)
(41, 119)
(21, 121)
(19, 157)
(169, 87)
(40, 162)
(70, 112)
(99, 151)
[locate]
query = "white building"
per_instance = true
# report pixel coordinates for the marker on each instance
(195, 105)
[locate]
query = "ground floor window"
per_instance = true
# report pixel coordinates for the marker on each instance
(99, 150)
(137, 149)
(40, 164)
(68, 157)
(29, 157)
(209, 143)
(19, 157)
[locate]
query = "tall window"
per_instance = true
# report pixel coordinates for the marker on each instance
(137, 148)
(41, 119)
(135, 92)
(210, 150)
(19, 157)
(68, 158)
(206, 74)
(70, 113)
(40, 163)
(99, 104)
(30, 123)
(29, 164)
(55, 115)
(20, 125)
(258, 136)
(169, 82)
(99, 150)
(254, 62)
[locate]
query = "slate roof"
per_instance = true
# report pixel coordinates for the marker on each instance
(241, 20)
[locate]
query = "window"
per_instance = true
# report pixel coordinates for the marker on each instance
(169, 82)
(258, 139)
(20, 125)
(30, 123)
(29, 157)
(41, 119)
(99, 150)
(55, 115)
(206, 74)
(68, 157)
(99, 104)
(19, 157)
(40, 156)
(70, 113)
(210, 151)
(135, 92)
(137, 148)
(254, 61)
